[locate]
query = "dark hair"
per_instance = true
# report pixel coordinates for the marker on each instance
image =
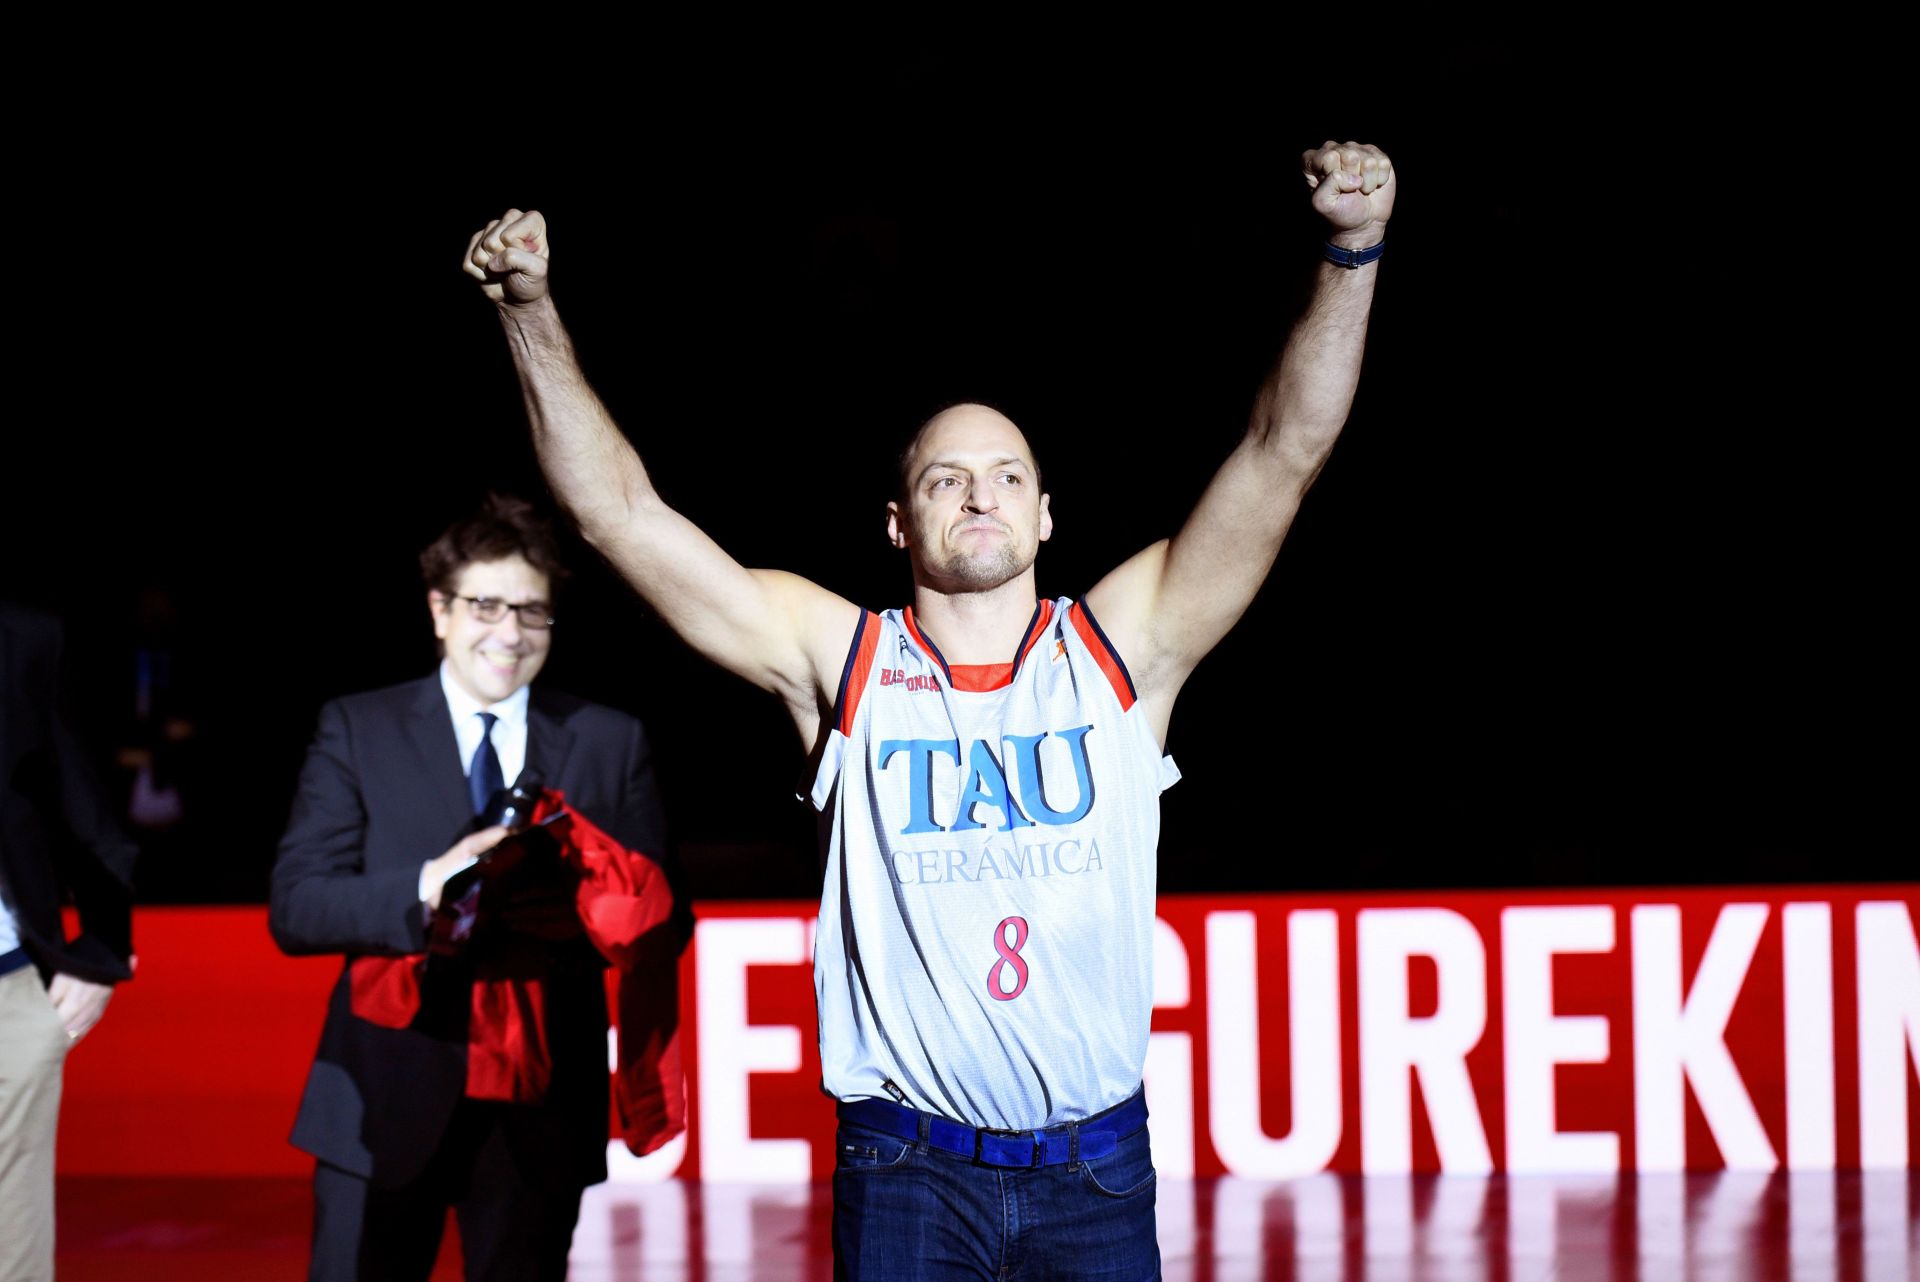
(504, 526)
(903, 484)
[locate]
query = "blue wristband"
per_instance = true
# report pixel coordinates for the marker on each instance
(1352, 259)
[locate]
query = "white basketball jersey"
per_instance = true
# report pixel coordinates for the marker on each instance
(986, 923)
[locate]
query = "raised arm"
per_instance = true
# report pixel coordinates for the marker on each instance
(777, 630)
(1166, 607)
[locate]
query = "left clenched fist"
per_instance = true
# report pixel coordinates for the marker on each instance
(1353, 189)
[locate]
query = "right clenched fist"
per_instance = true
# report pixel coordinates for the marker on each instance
(509, 258)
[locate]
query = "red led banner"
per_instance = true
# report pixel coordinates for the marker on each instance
(1563, 1031)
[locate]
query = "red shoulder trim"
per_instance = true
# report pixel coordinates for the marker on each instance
(1104, 654)
(1042, 615)
(919, 638)
(853, 678)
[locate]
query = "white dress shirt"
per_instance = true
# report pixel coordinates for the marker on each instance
(509, 734)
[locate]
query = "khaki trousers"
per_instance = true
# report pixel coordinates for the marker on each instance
(33, 1046)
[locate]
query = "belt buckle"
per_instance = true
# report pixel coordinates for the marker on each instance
(981, 1131)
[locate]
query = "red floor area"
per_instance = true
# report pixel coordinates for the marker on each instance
(133, 1229)
(1847, 1227)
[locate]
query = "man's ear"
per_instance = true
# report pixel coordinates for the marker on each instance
(896, 525)
(1046, 518)
(437, 605)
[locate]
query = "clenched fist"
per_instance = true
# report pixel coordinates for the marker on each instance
(1353, 189)
(509, 258)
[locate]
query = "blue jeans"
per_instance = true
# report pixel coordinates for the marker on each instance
(904, 1211)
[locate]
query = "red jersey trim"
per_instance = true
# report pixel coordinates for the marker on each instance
(1104, 654)
(853, 678)
(980, 678)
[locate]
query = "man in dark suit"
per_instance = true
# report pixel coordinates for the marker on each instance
(383, 817)
(58, 840)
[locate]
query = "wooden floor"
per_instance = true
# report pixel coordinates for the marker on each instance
(1849, 1227)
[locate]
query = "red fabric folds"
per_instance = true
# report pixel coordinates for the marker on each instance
(507, 1055)
(625, 905)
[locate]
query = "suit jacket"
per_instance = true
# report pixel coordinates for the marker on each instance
(384, 790)
(58, 835)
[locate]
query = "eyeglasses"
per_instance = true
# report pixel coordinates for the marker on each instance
(488, 609)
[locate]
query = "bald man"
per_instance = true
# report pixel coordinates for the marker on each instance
(990, 771)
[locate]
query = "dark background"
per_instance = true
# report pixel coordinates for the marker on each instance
(1594, 590)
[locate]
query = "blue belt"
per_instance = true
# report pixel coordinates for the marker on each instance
(14, 959)
(1080, 1141)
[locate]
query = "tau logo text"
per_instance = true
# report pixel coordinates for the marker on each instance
(984, 783)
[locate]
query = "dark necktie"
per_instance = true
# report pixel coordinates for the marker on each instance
(483, 773)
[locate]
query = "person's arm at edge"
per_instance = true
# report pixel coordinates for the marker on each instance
(100, 876)
(1167, 606)
(96, 865)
